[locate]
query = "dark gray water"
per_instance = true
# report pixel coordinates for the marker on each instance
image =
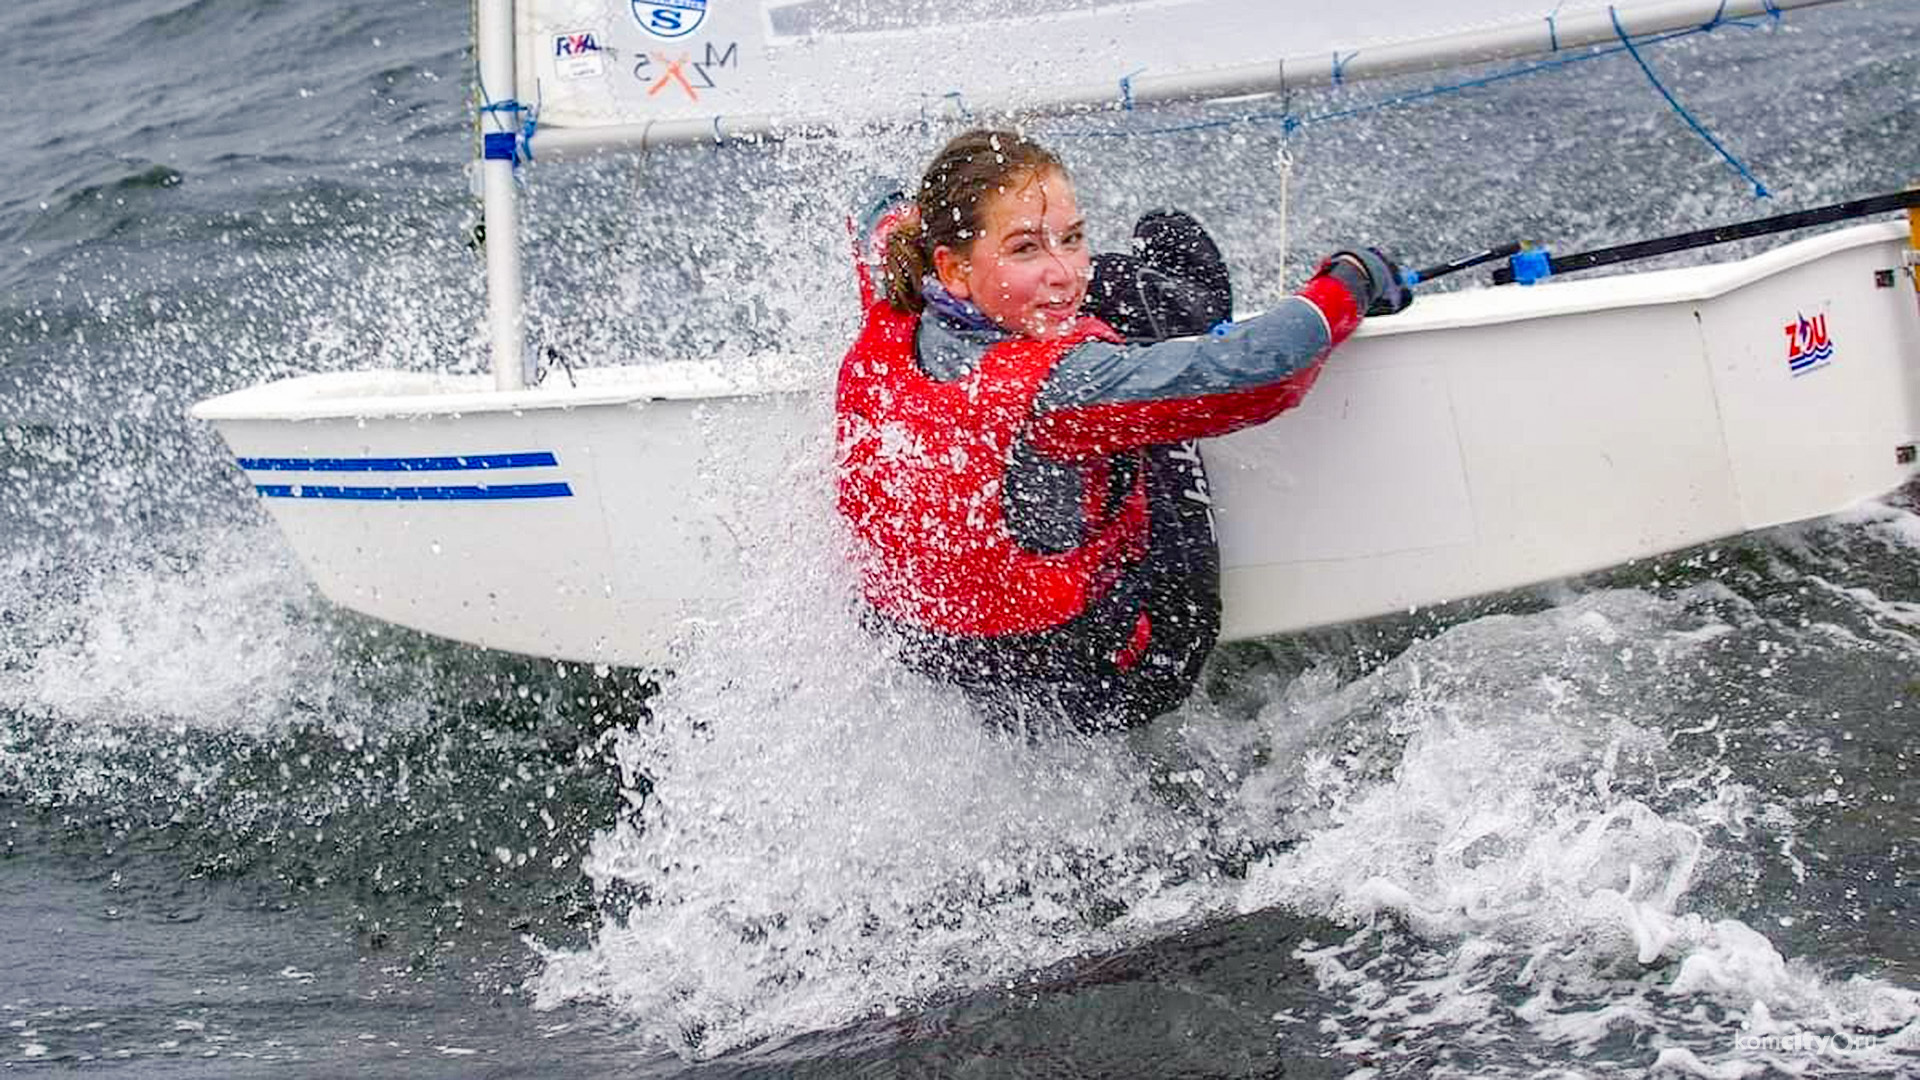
(1659, 819)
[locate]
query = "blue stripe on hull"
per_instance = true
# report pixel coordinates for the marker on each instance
(444, 493)
(529, 460)
(1808, 359)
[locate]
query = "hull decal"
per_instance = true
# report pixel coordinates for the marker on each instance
(438, 493)
(449, 463)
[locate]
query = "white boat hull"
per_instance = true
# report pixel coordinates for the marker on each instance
(1481, 441)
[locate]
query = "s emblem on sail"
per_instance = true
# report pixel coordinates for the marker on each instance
(670, 19)
(1808, 346)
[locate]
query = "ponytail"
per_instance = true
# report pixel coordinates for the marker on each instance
(907, 264)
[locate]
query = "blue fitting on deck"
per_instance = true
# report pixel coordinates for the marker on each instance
(500, 146)
(1531, 265)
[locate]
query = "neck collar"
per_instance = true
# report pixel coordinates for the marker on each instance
(961, 313)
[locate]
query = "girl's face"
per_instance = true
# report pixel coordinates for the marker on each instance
(1028, 268)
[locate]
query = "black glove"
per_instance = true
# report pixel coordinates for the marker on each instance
(1174, 284)
(1372, 278)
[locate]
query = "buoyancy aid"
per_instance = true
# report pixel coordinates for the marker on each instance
(922, 482)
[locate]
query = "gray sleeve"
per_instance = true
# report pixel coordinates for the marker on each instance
(1260, 351)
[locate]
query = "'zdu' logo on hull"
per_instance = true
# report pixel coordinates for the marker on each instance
(670, 18)
(1807, 344)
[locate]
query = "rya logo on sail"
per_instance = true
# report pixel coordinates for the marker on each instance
(575, 44)
(577, 55)
(1808, 346)
(670, 18)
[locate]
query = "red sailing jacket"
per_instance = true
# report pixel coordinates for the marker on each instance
(922, 467)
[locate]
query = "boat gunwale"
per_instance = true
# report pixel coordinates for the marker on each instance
(357, 395)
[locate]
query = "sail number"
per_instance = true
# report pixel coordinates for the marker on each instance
(682, 74)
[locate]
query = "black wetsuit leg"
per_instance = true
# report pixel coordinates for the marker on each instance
(1092, 672)
(1173, 284)
(1182, 570)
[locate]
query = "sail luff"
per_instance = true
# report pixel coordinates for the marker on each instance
(1510, 40)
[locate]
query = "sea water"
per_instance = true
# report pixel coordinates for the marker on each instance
(1657, 820)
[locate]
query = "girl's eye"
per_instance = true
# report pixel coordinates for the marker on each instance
(1073, 240)
(1025, 247)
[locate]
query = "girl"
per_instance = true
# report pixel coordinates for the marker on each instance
(1027, 509)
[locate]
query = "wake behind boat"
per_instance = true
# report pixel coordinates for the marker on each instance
(1482, 441)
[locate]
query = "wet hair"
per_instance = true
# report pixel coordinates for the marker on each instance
(952, 198)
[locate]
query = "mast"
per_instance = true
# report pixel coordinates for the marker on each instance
(499, 121)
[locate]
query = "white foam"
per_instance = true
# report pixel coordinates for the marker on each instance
(827, 835)
(1507, 842)
(1898, 527)
(1512, 809)
(220, 638)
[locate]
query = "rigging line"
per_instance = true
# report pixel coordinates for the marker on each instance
(1340, 65)
(473, 19)
(1771, 12)
(508, 105)
(1759, 189)
(533, 118)
(1289, 122)
(1292, 121)
(1467, 84)
(494, 143)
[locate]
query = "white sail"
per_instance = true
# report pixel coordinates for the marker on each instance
(631, 73)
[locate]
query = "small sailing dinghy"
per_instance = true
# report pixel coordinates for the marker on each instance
(1484, 440)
